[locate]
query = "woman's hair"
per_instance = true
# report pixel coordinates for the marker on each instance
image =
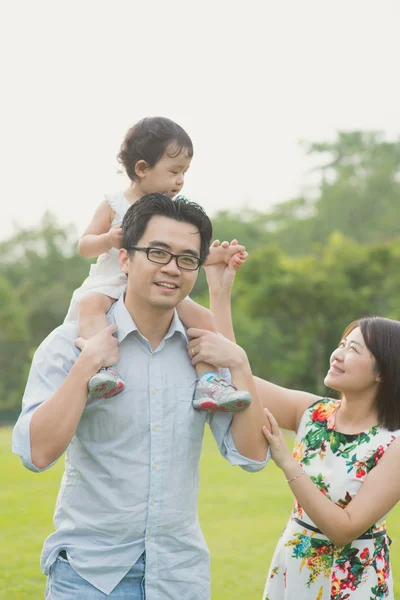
(149, 139)
(179, 209)
(382, 338)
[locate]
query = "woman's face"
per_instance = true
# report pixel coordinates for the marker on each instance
(352, 366)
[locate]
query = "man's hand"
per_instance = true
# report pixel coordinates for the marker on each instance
(215, 349)
(101, 350)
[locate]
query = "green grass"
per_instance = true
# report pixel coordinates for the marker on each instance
(242, 516)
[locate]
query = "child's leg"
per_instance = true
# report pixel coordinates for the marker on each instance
(92, 309)
(194, 315)
(213, 393)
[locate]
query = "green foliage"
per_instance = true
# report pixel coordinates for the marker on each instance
(292, 310)
(242, 516)
(358, 194)
(13, 350)
(39, 269)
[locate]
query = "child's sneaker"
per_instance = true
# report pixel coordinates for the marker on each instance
(215, 394)
(105, 384)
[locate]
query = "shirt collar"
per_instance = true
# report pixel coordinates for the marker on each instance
(126, 324)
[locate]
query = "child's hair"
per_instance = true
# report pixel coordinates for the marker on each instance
(180, 209)
(149, 139)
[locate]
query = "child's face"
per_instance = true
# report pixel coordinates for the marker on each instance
(167, 176)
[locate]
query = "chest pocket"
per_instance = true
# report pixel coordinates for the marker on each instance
(189, 422)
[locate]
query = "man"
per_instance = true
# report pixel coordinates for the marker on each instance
(126, 514)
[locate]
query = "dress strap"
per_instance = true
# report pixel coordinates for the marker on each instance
(118, 204)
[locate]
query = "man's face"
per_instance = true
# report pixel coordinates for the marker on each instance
(156, 286)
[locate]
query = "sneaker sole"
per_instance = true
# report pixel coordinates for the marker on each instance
(104, 389)
(232, 406)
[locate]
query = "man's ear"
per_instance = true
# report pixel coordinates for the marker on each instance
(123, 260)
(378, 378)
(141, 168)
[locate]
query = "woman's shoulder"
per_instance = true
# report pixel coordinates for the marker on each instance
(324, 406)
(321, 411)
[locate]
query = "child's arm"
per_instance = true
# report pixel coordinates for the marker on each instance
(100, 237)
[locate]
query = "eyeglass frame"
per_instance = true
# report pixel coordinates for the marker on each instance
(147, 250)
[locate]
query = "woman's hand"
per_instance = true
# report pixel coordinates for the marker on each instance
(221, 275)
(279, 450)
(222, 253)
(214, 348)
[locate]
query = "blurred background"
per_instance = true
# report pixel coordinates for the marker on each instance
(293, 109)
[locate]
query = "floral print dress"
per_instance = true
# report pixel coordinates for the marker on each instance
(306, 564)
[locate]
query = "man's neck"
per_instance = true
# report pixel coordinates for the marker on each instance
(152, 324)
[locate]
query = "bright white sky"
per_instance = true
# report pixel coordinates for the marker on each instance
(247, 80)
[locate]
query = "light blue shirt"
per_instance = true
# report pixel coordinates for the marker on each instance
(131, 475)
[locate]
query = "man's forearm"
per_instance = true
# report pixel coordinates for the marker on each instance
(53, 423)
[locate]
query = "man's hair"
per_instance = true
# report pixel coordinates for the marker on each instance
(149, 139)
(382, 338)
(180, 209)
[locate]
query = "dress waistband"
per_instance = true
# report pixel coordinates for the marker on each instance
(364, 536)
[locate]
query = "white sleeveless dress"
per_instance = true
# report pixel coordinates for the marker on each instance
(105, 276)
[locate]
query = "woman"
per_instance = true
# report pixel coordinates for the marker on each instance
(344, 468)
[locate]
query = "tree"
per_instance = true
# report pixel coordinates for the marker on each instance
(13, 344)
(292, 311)
(358, 194)
(39, 269)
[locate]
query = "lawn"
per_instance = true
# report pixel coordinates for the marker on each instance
(242, 516)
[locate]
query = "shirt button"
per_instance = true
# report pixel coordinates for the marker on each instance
(155, 465)
(154, 392)
(152, 503)
(153, 356)
(155, 428)
(148, 538)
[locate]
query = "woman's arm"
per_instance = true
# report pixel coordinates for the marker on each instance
(379, 492)
(100, 237)
(220, 272)
(220, 278)
(287, 405)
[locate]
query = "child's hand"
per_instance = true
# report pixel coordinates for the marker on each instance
(238, 259)
(222, 253)
(114, 236)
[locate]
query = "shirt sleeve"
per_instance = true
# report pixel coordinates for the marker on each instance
(51, 364)
(220, 424)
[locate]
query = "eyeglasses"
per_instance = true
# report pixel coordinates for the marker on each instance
(186, 262)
